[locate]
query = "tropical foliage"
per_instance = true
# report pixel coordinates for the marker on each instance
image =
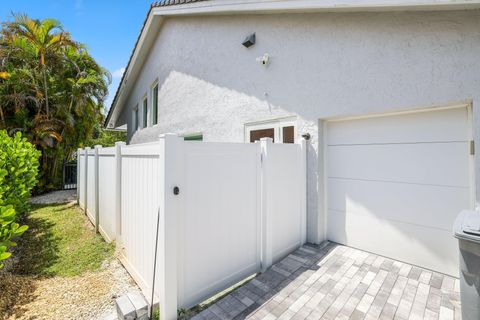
(18, 171)
(8, 230)
(106, 138)
(51, 90)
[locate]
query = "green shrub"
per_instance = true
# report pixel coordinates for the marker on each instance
(18, 172)
(8, 230)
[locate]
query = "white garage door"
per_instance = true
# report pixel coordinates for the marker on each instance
(396, 183)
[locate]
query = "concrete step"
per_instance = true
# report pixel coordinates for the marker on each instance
(132, 306)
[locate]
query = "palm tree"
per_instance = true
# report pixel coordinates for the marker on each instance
(51, 89)
(43, 39)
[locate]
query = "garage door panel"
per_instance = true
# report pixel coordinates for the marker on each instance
(415, 204)
(423, 163)
(429, 248)
(396, 183)
(443, 125)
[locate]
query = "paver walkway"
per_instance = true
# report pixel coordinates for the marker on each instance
(332, 281)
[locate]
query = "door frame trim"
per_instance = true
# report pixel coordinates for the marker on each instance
(275, 124)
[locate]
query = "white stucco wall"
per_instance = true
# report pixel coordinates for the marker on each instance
(322, 66)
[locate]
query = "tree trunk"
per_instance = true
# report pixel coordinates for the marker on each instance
(2, 117)
(46, 91)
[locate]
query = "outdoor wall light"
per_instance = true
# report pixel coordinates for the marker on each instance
(264, 60)
(306, 136)
(249, 41)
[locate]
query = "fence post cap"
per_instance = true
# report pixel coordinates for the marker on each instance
(120, 143)
(169, 136)
(266, 139)
(164, 135)
(98, 146)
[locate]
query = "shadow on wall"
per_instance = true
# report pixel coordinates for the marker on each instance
(189, 104)
(312, 196)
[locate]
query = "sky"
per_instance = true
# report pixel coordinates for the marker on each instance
(108, 28)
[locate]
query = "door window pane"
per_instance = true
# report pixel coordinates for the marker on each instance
(288, 134)
(262, 133)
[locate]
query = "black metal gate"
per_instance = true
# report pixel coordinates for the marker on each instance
(70, 175)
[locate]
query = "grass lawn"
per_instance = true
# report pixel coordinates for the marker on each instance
(61, 268)
(60, 242)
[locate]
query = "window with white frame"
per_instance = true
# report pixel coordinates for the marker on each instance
(135, 118)
(145, 112)
(282, 130)
(155, 103)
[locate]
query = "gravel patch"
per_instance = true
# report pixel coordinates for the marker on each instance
(90, 296)
(62, 196)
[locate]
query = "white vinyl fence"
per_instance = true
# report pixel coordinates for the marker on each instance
(91, 193)
(99, 179)
(107, 182)
(81, 185)
(141, 199)
(224, 210)
(219, 229)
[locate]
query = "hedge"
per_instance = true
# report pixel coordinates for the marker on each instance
(18, 171)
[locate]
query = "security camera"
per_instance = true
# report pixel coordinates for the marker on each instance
(264, 60)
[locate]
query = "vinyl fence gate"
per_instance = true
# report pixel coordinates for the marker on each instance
(239, 208)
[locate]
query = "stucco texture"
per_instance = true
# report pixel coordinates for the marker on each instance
(322, 66)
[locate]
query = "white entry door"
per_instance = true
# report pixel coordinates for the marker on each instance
(395, 184)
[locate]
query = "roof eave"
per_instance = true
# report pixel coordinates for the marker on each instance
(144, 41)
(280, 6)
(155, 17)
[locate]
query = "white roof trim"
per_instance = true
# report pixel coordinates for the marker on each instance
(153, 22)
(265, 6)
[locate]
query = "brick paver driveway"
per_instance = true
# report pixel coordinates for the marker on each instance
(332, 281)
